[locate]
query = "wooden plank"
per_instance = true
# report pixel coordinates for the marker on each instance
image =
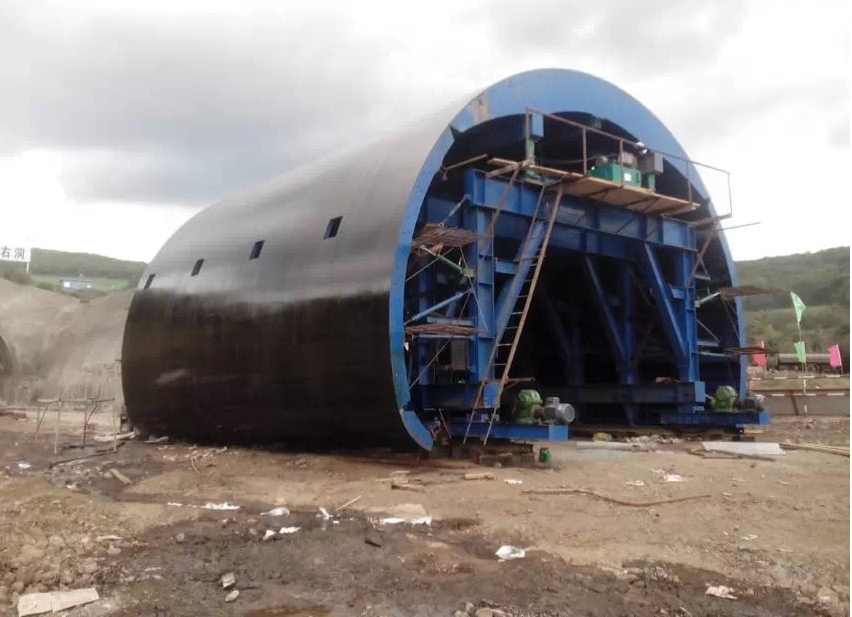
(631, 197)
(743, 290)
(621, 502)
(817, 448)
(710, 220)
(120, 476)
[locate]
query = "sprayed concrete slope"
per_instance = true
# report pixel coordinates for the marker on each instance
(58, 345)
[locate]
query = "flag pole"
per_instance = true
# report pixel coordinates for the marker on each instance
(799, 308)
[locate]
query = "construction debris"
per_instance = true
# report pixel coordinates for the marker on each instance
(613, 445)
(279, 511)
(75, 459)
(621, 502)
(758, 448)
(115, 437)
(228, 580)
(720, 591)
(347, 504)
(120, 476)
(812, 447)
(405, 486)
(55, 601)
(506, 552)
(373, 537)
(479, 476)
(396, 520)
(220, 506)
(288, 530)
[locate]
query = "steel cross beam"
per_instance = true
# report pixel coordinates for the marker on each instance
(609, 226)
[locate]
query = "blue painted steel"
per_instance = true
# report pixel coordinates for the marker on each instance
(558, 91)
(678, 394)
(507, 302)
(736, 419)
(537, 432)
(611, 329)
(563, 343)
(436, 307)
(627, 373)
(580, 213)
(667, 311)
(505, 266)
(481, 255)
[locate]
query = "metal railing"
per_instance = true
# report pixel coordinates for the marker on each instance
(621, 141)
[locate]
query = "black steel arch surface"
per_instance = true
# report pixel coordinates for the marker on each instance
(293, 343)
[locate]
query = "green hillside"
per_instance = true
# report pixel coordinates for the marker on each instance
(62, 264)
(820, 279)
(47, 267)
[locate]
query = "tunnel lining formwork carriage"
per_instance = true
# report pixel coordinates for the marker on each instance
(362, 299)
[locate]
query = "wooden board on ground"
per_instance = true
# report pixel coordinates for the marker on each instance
(758, 448)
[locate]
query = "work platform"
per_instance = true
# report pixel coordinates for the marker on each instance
(631, 197)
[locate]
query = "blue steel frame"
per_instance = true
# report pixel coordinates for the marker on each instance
(594, 229)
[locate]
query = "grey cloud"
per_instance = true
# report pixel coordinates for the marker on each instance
(638, 39)
(187, 107)
(717, 109)
(183, 177)
(152, 109)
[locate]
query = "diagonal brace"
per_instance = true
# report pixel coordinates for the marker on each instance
(508, 298)
(661, 292)
(611, 329)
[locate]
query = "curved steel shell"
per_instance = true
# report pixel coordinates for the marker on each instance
(305, 341)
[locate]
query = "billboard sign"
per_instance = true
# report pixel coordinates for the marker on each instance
(13, 252)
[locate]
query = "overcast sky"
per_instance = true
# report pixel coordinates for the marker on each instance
(120, 120)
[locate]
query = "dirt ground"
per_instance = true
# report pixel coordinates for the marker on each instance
(775, 531)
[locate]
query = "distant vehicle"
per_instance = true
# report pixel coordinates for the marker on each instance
(76, 284)
(816, 362)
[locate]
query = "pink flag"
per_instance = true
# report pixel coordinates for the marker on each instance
(760, 358)
(834, 356)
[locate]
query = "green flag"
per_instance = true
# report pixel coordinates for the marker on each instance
(800, 351)
(798, 306)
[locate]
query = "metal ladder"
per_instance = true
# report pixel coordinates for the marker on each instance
(513, 332)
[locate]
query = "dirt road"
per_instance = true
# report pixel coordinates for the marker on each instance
(776, 532)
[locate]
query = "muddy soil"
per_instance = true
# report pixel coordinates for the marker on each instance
(775, 532)
(417, 570)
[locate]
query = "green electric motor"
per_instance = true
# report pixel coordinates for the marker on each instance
(618, 173)
(724, 399)
(525, 407)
